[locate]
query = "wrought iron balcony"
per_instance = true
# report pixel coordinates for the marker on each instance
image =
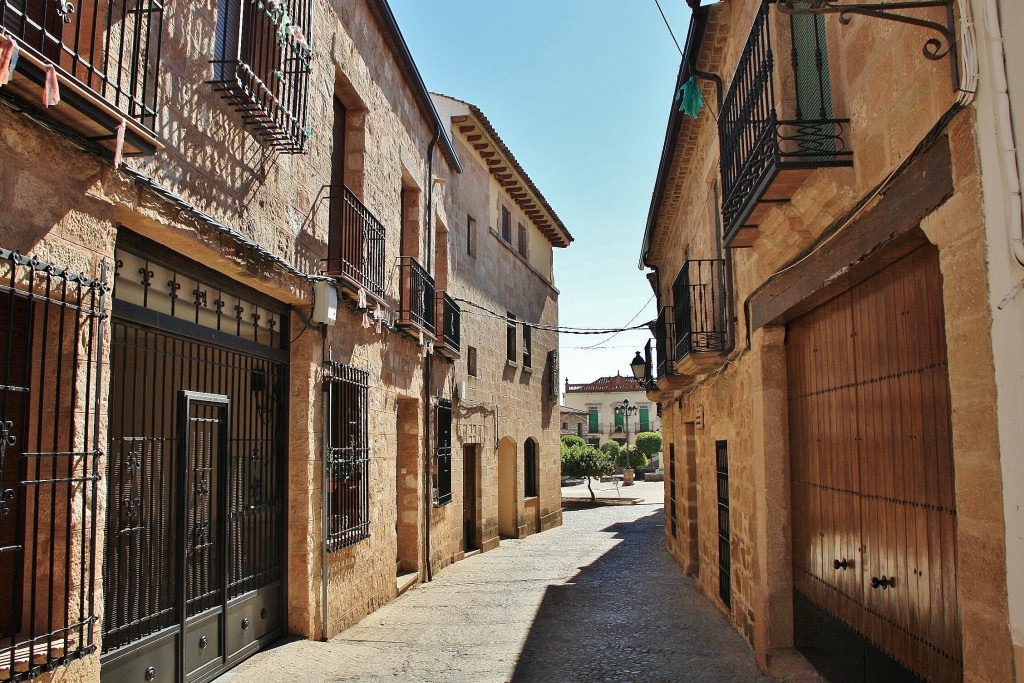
(699, 316)
(262, 66)
(417, 309)
(664, 343)
(106, 57)
(355, 246)
(765, 157)
(450, 339)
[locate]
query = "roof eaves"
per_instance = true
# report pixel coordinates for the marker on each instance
(694, 39)
(477, 113)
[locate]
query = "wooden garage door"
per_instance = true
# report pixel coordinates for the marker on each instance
(874, 519)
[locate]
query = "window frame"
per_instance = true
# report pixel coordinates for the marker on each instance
(470, 236)
(471, 361)
(527, 345)
(531, 468)
(523, 246)
(511, 348)
(442, 473)
(506, 224)
(347, 399)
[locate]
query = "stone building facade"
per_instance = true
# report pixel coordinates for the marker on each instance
(600, 398)
(230, 380)
(825, 349)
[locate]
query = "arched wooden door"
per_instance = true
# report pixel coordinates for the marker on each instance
(874, 517)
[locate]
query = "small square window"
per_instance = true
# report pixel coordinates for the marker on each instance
(471, 360)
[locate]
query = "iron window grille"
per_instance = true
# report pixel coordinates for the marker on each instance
(700, 305)
(443, 453)
(262, 63)
(451, 325)
(108, 47)
(418, 308)
(552, 372)
(755, 142)
(672, 488)
(530, 469)
(510, 337)
(347, 393)
(51, 335)
(356, 243)
(724, 537)
(527, 346)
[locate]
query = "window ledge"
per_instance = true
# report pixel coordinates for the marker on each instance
(528, 368)
(511, 363)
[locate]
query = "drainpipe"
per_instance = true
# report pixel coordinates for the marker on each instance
(428, 499)
(324, 569)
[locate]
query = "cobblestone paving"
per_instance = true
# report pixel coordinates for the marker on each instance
(597, 599)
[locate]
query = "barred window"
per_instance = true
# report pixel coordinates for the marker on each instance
(262, 62)
(510, 337)
(346, 391)
(530, 469)
(51, 326)
(527, 346)
(443, 467)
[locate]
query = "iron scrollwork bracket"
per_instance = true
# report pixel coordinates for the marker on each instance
(6, 439)
(934, 48)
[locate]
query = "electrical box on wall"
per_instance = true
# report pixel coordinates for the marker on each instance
(460, 391)
(325, 308)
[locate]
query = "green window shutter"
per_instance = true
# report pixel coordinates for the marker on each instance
(645, 419)
(593, 420)
(618, 419)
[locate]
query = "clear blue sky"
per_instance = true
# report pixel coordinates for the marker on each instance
(580, 91)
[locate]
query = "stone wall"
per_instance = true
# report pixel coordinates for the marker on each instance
(893, 97)
(64, 205)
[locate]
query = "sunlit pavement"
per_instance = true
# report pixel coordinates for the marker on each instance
(597, 599)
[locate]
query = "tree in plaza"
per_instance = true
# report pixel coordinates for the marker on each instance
(648, 443)
(611, 449)
(572, 440)
(585, 461)
(630, 457)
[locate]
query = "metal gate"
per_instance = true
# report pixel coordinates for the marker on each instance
(194, 561)
(874, 518)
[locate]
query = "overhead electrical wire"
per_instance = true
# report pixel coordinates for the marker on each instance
(669, 27)
(482, 310)
(630, 322)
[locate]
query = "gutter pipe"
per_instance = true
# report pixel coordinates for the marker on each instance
(428, 499)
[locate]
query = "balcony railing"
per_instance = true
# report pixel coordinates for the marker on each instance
(643, 427)
(106, 55)
(450, 338)
(700, 311)
(355, 245)
(765, 158)
(663, 339)
(417, 309)
(262, 65)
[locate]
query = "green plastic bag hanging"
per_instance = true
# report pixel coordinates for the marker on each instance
(692, 99)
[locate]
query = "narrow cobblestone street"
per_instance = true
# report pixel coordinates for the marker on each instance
(595, 600)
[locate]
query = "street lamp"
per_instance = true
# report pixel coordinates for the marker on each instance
(639, 367)
(626, 410)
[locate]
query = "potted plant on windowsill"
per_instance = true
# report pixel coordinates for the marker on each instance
(628, 459)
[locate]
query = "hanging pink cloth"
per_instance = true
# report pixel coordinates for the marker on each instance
(6, 48)
(379, 315)
(51, 92)
(119, 144)
(366, 320)
(362, 298)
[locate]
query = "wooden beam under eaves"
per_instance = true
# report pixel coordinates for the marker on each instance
(475, 137)
(487, 155)
(481, 146)
(461, 118)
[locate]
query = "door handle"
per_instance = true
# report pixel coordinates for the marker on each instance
(843, 564)
(884, 583)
